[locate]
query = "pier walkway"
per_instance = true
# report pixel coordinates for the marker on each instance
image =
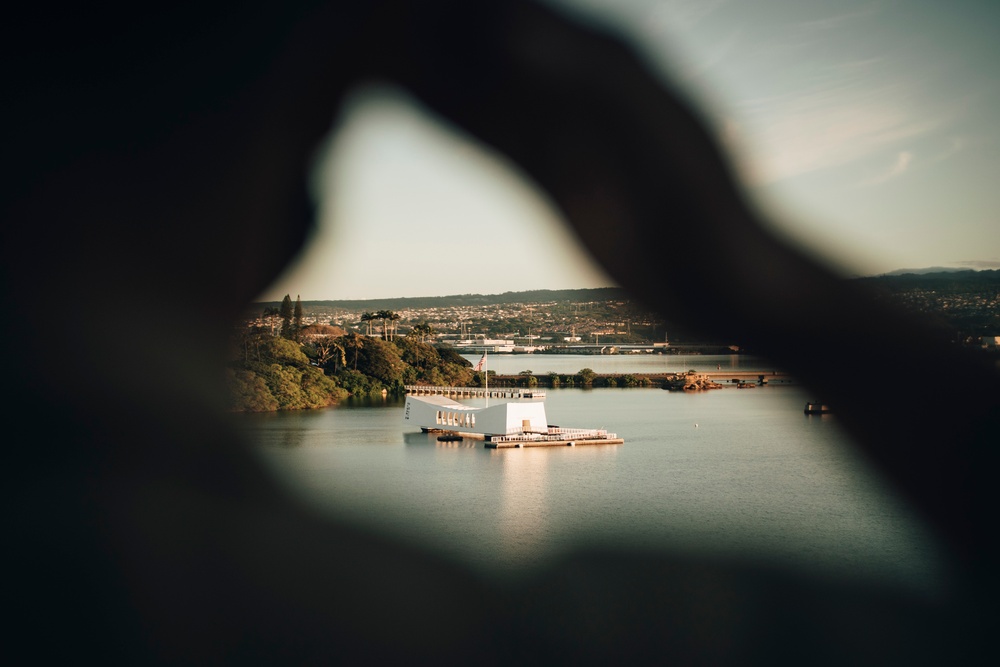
(474, 392)
(750, 376)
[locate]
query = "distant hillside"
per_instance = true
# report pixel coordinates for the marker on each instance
(931, 269)
(967, 302)
(959, 281)
(402, 303)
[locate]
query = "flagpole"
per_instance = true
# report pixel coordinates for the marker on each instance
(486, 370)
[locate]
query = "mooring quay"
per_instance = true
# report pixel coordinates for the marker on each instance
(598, 437)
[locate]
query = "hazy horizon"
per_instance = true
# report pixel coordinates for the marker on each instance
(896, 273)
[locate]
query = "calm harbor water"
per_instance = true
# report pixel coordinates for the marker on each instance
(727, 472)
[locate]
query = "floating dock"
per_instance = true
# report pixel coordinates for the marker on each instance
(556, 438)
(516, 444)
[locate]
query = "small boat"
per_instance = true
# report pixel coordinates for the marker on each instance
(813, 408)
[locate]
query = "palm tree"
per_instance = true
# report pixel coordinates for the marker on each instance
(393, 318)
(328, 348)
(421, 331)
(354, 342)
(366, 318)
(384, 316)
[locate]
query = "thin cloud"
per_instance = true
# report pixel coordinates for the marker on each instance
(715, 55)
(811, 135)
(955, 146)
(840, 21)
(853, 109)
(681, 14)
(901, 164)
(796, 97)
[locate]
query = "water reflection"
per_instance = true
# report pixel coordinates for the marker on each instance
(418, 438)
(538, 487)
(523, 515)
(378, 401)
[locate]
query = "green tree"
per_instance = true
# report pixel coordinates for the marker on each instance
(450, 355)
(353, 342)
(297, 318)
(283, 351)
(286, 317)
(247, 343)
(420, 356)
(458, 376)
(358, 384)
(318, 390)
(368, 318)
(248, 392)
(587, 376)
(382, 361)
(285, 383)
(393, 319)
(271, 317)
(329, 348)
(421, 331)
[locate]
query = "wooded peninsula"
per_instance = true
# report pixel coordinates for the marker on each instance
(285, 360)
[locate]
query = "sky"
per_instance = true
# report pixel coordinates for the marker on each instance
(866, 131)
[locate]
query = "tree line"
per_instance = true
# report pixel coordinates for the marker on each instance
(282, 365)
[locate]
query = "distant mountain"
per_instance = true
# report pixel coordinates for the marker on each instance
(932, 269)
(962, 280)
(532, 296)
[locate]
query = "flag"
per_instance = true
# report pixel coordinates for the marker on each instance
(481, 363)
